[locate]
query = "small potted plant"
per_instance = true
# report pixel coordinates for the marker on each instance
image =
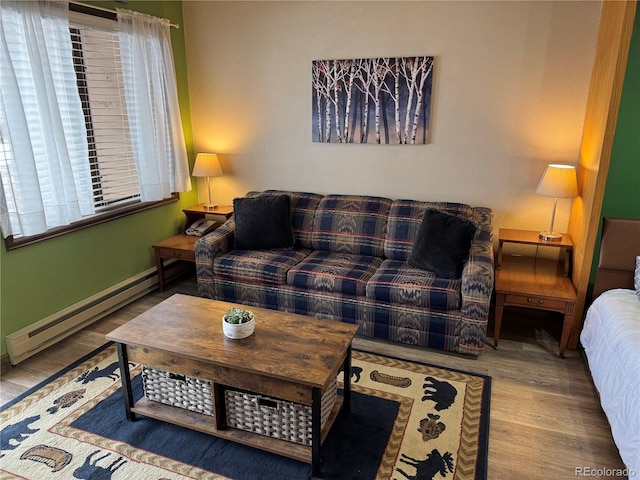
(238, 323)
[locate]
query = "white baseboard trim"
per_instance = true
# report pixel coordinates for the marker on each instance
(39, 335)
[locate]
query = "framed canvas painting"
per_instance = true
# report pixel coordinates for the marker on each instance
(372, 100)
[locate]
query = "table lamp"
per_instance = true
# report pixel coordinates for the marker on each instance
(207, 165)
(558, 181)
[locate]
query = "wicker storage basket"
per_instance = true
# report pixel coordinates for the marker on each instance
(273, 417)
(177, 390)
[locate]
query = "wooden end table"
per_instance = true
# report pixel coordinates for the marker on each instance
(531, 237)
(290, 357)
(532, 282)
(182, 246)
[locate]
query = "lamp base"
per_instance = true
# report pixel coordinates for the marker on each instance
(211, 207)
(550, 236)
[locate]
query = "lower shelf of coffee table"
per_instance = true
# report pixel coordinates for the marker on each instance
(206, 424)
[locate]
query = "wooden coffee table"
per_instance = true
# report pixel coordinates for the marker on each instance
(289, 357)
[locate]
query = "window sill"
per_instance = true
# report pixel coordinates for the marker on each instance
(12, 243)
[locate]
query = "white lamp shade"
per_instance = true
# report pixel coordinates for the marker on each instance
(558, 181)
(207, 165)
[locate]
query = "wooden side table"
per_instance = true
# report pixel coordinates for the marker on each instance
(182, 246)
(531, 237)
(536, 283)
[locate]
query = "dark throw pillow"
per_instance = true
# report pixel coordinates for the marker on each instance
(263, 222)
(443, 243)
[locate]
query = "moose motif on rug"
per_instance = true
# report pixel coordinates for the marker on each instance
(110, 371)
(428, 468)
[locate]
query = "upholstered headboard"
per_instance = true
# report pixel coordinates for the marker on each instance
(619, 246)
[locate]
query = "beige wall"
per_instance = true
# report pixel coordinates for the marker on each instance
(510, 91)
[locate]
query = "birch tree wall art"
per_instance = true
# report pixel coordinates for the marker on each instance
(372, 100)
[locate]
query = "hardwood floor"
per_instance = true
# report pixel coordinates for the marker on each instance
(546, 420)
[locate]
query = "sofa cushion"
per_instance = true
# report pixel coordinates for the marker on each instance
(352, 224)
(398, 283)
(263, 222)
(405, 218)
(443, 243)
(303, 209)
(266, 267)
(334, 272)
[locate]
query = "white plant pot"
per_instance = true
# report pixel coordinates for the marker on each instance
(238, 330)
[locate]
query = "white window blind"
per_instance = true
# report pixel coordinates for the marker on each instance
(96, 58)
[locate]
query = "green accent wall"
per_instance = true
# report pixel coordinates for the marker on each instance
(621, 198)
(41, 279)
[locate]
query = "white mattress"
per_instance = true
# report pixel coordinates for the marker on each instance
(611, 339)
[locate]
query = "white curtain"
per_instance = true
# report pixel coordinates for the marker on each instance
(152, 105)
(44, 169)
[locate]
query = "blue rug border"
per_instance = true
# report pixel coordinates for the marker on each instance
(483, 446)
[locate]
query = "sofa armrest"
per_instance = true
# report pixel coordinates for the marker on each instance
(477, 286)
(207, 249)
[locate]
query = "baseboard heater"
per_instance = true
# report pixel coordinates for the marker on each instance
(42, 334)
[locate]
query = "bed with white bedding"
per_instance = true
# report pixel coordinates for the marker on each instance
(611, 341)
(611, 335)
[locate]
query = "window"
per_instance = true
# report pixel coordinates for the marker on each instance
(117, 145)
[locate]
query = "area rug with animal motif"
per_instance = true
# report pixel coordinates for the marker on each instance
(408, 421)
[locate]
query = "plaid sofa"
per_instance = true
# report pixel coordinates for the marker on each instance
(349, 263)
